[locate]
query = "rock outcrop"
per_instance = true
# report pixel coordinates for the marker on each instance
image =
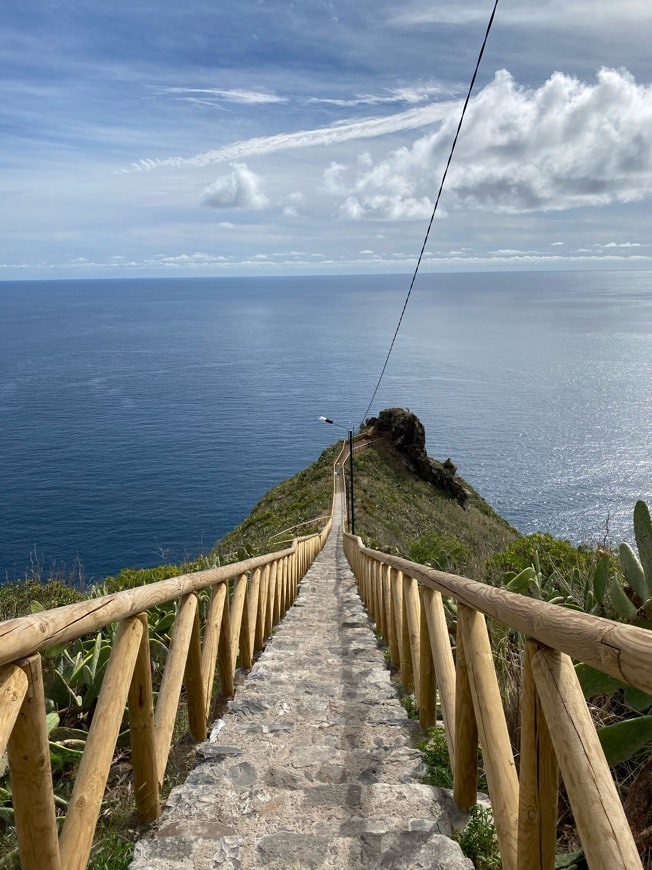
(405, 433)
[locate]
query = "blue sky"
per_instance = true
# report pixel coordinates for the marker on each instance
(254, 137)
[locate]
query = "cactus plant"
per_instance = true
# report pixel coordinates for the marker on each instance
(638, 568)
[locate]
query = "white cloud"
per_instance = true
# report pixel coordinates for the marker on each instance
(290, 211)
(197, 259)
(385, 208)
(237, 95)
(333, 181)
(555, 14)
(239, 189)
(563, 145)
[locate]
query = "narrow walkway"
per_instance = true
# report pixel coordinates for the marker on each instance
(313, 765)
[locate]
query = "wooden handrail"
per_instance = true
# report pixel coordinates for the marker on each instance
(26, 635)
(240, 616)
(623, 651)
(557, 731)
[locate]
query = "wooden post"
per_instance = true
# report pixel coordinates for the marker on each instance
(31, 777)
(380, 604)
(290, 583)
(247, 631)
(168, 696)
(465, 784)
(86, 799)
(427, 704)
(411, 616)
(492, 732)
(224, 660)
(539, 779)
(261, 617)
(237, 609)
(371, 590)
(286, 584)
(387, 607)
(276, 591)
(280, 591)
(360, 575)
(271, 598)
(212, 641)
(444, 665)
(295, 576)
(195, 698)
(383, 583)
(143, 733)
(254, 607)
(377, 599)
(599, 815)
(407, 674)
(13, 688)
(394, 632)
(401, 642)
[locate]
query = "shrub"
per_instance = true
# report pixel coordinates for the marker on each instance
(555, 554)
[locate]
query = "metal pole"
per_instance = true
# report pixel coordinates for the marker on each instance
(351, 475)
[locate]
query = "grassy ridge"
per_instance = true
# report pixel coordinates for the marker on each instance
(293, 508)
(398, 512)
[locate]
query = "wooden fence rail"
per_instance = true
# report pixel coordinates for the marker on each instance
(557, 733)
(247, 600)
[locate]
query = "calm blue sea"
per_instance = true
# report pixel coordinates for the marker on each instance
(141, 419)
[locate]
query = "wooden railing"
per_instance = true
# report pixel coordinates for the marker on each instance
(557, 733)
(246, 600)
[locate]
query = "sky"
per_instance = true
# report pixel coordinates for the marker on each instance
(264, 137)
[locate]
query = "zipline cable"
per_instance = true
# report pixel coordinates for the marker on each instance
(434, 211)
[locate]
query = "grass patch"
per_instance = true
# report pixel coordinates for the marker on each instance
(399, 513)
(296, 507)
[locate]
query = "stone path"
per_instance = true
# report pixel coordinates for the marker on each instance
(313, 765)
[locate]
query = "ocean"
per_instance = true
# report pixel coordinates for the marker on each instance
(142, 419)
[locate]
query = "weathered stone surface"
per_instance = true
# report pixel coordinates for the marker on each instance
(287, 849)
(313, 765)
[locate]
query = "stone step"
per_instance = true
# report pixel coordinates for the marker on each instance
(300, 765)
(247, 802)
(314, 762)
(203, 846)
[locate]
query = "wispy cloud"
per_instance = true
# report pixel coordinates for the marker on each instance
(555, 14)
(410, 95)
(366, 128)
(236, 95)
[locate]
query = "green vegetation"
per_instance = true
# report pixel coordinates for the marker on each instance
(296, 507)
(398, 512)
(478, 839)
(616, 584)
(434, 751)
(73, 672)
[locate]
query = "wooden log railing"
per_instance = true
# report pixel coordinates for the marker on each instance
(247, 600)
(405, 600)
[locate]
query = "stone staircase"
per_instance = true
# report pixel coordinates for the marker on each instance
(313, 765)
